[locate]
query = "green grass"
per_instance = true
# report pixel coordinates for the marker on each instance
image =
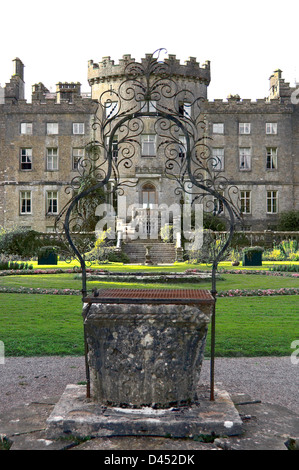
(176, 267)
(228, 281)
(35, 325)
(256, 326)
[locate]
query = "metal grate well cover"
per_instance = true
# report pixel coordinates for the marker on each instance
(151, 296)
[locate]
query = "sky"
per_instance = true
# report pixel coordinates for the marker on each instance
(245, 41)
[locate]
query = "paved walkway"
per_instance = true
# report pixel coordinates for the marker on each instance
(30, 387)
(269, 379)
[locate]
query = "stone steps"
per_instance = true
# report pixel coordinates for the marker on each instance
(160, 253)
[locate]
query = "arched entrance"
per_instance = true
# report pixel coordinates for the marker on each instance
(148, 195)
(148, 214)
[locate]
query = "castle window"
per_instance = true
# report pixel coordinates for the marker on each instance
(77, 155)
(114, 147)
(26, 159)
(182, 147)
(78, 128)
(111, 108)
(244, 128)
(52, 128)
(185, 109)
(218, 128)
(148, 106)
(52, 202)
(245, 159)
(52, 159)
(272, 200)
(271, 127)
(25, 202)
(148, 145)
(245, 197)
(26, 128)
(218, 159)
(218, 205)
(271, 158)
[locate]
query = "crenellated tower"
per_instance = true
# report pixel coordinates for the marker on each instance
(109, 74)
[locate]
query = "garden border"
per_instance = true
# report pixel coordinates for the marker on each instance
(105, 275)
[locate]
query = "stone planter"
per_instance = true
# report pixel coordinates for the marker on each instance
(253, 257)
(143, 354)
(49, 258)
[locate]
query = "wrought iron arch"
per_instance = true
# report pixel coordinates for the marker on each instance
(192, 171)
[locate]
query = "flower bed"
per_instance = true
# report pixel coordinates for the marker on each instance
(258, 292)
(229, 293)
(191, 273)
(260, 273)
(24, 272)
(38, 290)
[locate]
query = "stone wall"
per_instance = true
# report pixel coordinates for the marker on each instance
(258, 179)
(39, 179)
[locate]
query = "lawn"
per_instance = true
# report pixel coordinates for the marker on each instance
(35, 325)
(228, 281)
(176, 267)
(256, 326)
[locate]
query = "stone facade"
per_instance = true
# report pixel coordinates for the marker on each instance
(261, 163)
(39, 144)
(255, 142)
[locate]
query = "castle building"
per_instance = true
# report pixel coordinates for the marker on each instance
(255, 144)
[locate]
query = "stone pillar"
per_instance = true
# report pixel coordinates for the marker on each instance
(145, 354)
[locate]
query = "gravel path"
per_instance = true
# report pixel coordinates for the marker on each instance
(269, 379)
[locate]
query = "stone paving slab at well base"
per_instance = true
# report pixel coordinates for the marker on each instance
(75, 415)
(265, 427)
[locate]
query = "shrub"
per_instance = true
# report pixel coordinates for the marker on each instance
(3, 263)
(291, 268)
(117, 257)
(214, 223)
(276, 255)
(253, 249)
(166, 233)
(289, 221)
(98, 253)
(289, 247)
(19, 241)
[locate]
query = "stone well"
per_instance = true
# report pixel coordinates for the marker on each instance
(146, 348)
(145, 351)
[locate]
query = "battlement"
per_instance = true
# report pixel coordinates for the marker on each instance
(65, 93)
(264, 105)
(107, 68)
(68, 92)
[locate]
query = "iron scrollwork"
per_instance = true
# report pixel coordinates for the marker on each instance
(149, 90)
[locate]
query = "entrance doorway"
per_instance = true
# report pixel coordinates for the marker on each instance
(148, 195)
